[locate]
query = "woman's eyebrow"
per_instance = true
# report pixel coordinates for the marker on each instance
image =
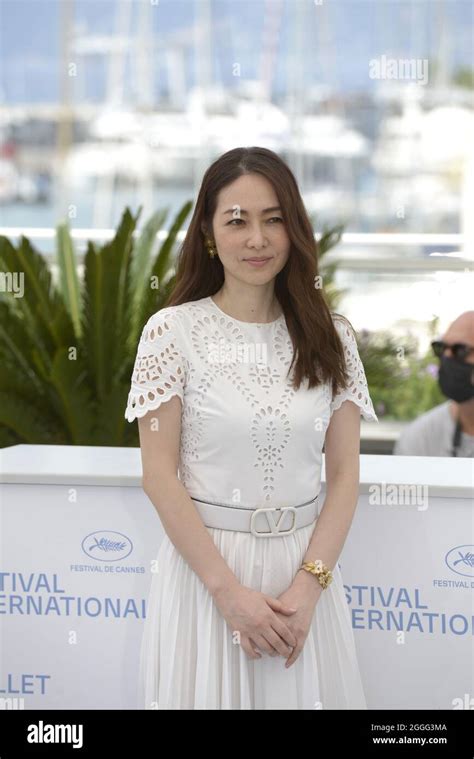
(243, 211)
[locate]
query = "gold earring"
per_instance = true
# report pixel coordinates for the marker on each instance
(210, 247)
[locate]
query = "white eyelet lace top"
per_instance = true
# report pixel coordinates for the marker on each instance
(247, 437)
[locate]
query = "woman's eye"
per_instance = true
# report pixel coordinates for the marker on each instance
(274, 218)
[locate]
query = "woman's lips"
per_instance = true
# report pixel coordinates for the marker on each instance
(255, 262)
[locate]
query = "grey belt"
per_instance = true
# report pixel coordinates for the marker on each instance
(265, 522)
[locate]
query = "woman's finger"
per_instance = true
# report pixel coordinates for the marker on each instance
(254, 647)
(293, 656)
(264, 645)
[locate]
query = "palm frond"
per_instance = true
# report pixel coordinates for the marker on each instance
(106, 316)
(153, 299)
(70, 287)
(141, 264)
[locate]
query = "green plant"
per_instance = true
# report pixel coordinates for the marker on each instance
(403, 384)
(330, 237)
(67, 350)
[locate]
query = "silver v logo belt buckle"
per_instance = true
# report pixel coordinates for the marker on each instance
(276, 518)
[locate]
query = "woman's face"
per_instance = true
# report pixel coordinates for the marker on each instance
(248, 224)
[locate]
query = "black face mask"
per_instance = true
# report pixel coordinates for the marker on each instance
(454, 379)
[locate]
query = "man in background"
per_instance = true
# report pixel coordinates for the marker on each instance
(447, 429)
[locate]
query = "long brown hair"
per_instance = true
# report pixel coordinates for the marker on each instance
(318, 353)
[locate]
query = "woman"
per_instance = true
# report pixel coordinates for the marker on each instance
(234, 620)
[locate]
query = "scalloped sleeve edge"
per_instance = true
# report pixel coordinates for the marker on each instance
(137, 411)
(367, 411)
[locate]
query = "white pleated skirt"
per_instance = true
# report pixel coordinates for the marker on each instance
(188, 659)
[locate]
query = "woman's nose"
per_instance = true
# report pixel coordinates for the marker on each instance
(257, 236)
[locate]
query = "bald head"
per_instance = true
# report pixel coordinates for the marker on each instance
(461, 330)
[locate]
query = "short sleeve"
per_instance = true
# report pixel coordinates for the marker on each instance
(357, 389)
(159, 372)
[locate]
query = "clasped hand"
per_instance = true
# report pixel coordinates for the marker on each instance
(276, 626)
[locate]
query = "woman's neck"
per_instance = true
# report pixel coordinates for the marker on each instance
(239, 308)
